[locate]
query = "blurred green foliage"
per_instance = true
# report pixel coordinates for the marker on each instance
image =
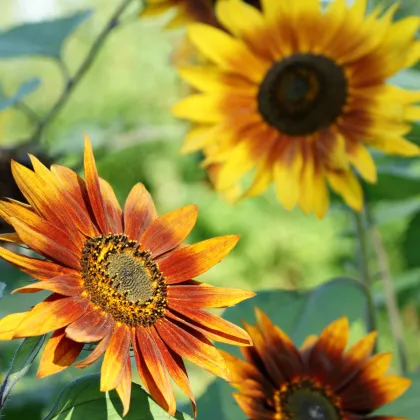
(124, 103)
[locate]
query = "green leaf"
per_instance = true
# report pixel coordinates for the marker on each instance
(408, 405)
(298, 314)
(24, 89)
(411, 242)
(42, 38)
(24, 357)
(82, 399)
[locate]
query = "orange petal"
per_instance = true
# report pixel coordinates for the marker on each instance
(113, 365)
(45, 246)
(112, 207)
(176, 368)
(168, 231)
(124, 387)
(94, 189)
(95, 354)
(39, 269)
(9, 323)
(156, 365)
(139, 212)
(196, 297)
(59, 353)
(194, 260)
(93, 326)
(213, 327)
(67, 285)
(193, 346)
(53, 313)
(253, 408)
(10, 237)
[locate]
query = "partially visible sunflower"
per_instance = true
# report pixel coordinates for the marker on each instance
(318, 381)
(297, 94)
(119, 278)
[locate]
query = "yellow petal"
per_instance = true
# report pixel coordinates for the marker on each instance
(347, 185)
(396, 146)
(321, 197)
(200, 108)
(361, 159)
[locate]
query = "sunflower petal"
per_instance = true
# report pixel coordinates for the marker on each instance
(9, 324)
(139, 212)
(59, 353)
(193, 260)
(67, 285)
(95, 354)
(168, 231)
(124, 387)
(112, 208)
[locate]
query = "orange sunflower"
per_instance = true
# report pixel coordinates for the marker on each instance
(121, 279)
(320, 381)
(297, 94)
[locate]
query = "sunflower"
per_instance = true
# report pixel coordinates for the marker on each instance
(319, 381)
(296, 95)
(121, 279)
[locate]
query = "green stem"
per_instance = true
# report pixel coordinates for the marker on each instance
(361, 233)
(72, 82)
(390, 295)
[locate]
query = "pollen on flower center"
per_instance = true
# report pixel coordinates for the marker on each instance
(123, 280)
(302, 94)
(305, 401)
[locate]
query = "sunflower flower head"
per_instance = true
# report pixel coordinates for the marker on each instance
(318, 381)
(119, 278)
(296, 95)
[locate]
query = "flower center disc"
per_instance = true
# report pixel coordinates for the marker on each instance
(122, 280)
(304, 401)
(302, 94)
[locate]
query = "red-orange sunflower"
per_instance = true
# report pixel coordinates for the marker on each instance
(320, 381)
(119, 278)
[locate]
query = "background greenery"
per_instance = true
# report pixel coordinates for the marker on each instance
(123, 103)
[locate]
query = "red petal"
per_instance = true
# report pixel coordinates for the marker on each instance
(176, 368)
(52, 314)
(94, 189)
(39, 269)
(196, 297)
(68, 285)
(93, 326)
(213, 327)
(254, 409)
(59, 353)
(168, 231)
(95, 354)
(45, 246)
(193, 346)
(112, 207)
(115, 356)
(139, 212)
(156, 365)
(193, 260)
(124, 388)
(9, 323)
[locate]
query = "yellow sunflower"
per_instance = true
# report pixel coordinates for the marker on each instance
(320, 381)
(120, 278)
(297, 94)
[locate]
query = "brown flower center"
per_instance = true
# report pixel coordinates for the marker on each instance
(304, 400)
(302, 94)
(122, 280)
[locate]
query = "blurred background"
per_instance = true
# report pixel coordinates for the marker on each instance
(123, 103)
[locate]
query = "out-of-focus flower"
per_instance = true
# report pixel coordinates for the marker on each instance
(297, 94)
(318, 381)
(119, 278)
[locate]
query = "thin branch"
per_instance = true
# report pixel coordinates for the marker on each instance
(72, 82)
(28, 111)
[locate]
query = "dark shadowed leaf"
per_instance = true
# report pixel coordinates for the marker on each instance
(42, 38)
(24, 357)
(83, 400)
(2, 287)
(299, 314)
(411, 242)
(24, 89)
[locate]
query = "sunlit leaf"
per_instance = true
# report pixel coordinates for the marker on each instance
(41, 38)
(24, 357)
(24, 89)
(82, 399)
(299, 314)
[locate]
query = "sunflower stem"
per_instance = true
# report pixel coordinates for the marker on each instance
(363, 251)
(390, 295)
